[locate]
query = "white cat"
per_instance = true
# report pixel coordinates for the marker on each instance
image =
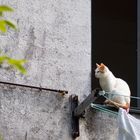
(114, 86)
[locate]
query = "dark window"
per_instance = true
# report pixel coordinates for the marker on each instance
(114, 40)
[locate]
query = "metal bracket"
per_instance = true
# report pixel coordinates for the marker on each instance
(78, 110)
(73, 99)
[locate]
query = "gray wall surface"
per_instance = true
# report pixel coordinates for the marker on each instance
(55, 37)
(39, 115)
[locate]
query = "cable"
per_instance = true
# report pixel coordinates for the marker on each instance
(34, 87)
(110, 93)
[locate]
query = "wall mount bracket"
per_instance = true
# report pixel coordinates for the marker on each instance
(77, 111)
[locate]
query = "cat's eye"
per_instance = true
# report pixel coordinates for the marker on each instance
(98, 71)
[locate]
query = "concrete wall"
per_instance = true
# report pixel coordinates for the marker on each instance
(37, 115)
(55, 37)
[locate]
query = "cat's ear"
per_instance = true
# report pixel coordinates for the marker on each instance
(97, 65)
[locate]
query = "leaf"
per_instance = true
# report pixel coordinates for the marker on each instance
(4, 8)
(3, 58)
(18, 64)
(4, 23)
(1, 14)
(20, 68)
(3, 26)
(10, 24)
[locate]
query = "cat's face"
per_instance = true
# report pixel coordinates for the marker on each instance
(101, 71)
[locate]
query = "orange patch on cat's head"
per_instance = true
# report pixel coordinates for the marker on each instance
(102, 64)
(101, 67)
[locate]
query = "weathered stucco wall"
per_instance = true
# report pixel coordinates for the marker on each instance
(33, 114)
(30, 114)
(55, 37)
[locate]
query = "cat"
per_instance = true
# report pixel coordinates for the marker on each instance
(114, 87)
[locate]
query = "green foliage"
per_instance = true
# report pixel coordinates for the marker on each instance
(5, 8)
(1, 138)
(10, 24)
(17, 64)
(4, 23)
(2, 26)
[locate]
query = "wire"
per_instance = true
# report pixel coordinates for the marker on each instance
(110, 93)
(34, 87)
